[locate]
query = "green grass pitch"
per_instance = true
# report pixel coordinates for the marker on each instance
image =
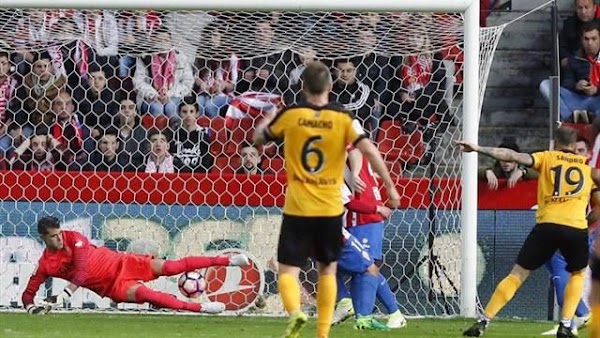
(13, 325)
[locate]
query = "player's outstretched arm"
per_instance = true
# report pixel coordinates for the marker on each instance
(501, 154)
(372, 153)
(31, 289)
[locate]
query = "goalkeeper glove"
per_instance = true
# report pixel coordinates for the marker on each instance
(55, 301)
(35, 310)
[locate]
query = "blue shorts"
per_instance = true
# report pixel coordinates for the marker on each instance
(354, 258)
(371, 237)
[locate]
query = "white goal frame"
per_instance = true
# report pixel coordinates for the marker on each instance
(470, 128)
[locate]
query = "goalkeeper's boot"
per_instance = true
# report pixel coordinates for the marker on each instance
(343, 311)
(212, 307)
(239, 260)
(369, 323)
(396, 320)
(477, 329)
(565, 332)
(296, 323)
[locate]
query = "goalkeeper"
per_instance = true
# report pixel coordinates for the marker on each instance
(70, 256)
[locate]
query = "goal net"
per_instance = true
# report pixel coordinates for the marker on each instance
(134, 128)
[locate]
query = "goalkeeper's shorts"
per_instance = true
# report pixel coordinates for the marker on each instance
(133, 269)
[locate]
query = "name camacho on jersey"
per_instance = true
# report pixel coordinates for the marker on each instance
(564, 188)
(315, 140)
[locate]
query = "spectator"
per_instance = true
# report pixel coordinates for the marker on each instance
(374, 70)
(579, 90)
(7, 90)
(136, 30)
(97, 104)
(11, 140)
(506, 170)
(569, 39)
(100, 40)
(162, 79)
(68, 131)
(264, 73)
(217, 76)
(39, 152)
(250, 160)
(40, 88)
(305, 56)
(132, 135)
(421, 88)
(159, 160)
(190, 145)
(108, 157)
(352, 93)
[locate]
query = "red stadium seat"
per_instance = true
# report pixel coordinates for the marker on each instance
(394, 144)
(217, 125)
(225, 165)
(274, 164)
(152, 122)
(584, 130)
(241, 130)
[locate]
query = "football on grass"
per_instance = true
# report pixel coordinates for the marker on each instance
(191, 284)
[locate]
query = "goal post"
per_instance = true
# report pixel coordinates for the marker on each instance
(472, 95)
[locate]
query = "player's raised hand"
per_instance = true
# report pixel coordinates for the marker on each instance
(466, 146)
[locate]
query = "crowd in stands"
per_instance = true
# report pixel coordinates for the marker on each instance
(116, 91)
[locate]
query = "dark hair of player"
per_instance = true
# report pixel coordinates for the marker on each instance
(47, 222)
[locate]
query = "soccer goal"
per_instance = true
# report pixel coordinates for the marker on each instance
(101, 77)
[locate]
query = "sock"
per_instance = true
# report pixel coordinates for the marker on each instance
(326, 292)
(163, 300)
(192, 263)
(289, 290)
(557, 268)
(385, 295)
(342, 290)
(573, 293)
(504, 292)
(363, 288)
(595, 322)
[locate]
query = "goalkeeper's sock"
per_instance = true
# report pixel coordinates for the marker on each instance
(573, 293)
(504, 292)
(144, 294)
(192, 263)
(289, 289)
(385, 295)
(326, 292)
(363, 288)
(342, 290)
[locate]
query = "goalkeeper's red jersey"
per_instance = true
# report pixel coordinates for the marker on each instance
(78, 262)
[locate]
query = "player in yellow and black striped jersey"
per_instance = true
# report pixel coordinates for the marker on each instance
(315, 137)
(564, 188)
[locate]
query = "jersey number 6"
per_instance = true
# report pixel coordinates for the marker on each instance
(309, 149)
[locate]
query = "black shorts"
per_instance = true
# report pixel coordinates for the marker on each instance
(301, 237)
(546, 238)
